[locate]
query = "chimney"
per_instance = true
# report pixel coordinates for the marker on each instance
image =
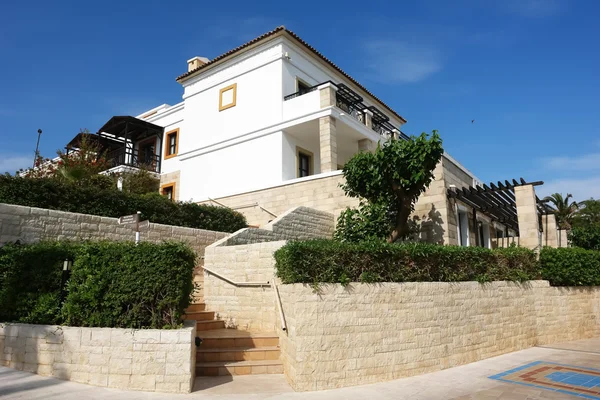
(196, 62)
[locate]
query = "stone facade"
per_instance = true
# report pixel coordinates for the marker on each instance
(370, 333)
(247, 256)
(434, 213)
(149, 360)
(242, 307)
(169, 178)
(30, 224)
(261, 206)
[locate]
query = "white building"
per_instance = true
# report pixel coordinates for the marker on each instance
(269, 111)
(268, 126)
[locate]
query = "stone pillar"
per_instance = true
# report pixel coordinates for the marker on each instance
(563, 240)
(328, 143)
(366, 145)
(529, 226)
(550, 236)
(327, 92)
(368, 118)
(396, 133)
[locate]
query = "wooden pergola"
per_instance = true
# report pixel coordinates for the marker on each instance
(497, 201)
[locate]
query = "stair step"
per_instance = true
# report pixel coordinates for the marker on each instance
(196, 307)
(228, 338)
(222, 368)
(208, 325)
(237, 354)
(199, 315)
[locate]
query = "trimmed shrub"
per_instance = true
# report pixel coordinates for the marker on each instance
(328, 261)
(570, 266)
(56, 194)
(586, 237)
(30, 281)
(121, 285)
(112, 284)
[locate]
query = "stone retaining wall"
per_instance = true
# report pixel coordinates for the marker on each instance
(31, 224)
(149, 360)
(369, 333)
(247, 256)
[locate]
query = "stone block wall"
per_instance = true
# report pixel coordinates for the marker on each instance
(242, 307)
(30, 224)
(299, 223)
(370, 333)
(149, 360)
(247, 256)
(434, 212)
(321, 193)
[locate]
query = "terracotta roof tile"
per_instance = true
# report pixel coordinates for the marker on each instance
(306, 45)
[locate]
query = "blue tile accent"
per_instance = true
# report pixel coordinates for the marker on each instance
(568, 377)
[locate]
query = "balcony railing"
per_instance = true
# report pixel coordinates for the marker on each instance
(132, 158)
(350, 109)
(301, 92)
(352, 104)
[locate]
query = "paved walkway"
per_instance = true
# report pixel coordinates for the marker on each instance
(466, 382)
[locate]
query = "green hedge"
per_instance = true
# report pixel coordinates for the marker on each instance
(30, 281)
(570, 266)
(56, 194)
(586, 237)
(117, 285)
(328, 261)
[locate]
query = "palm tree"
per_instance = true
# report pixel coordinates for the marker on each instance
(563, 209)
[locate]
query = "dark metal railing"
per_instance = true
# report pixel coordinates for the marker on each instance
(350, 109)
(354, 109)
(382, 129)
(301, 92)
(133, 158)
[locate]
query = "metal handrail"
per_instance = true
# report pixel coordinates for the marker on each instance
(255, 284)
(238, 284)
(280, 307)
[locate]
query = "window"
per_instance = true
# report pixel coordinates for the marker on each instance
(463, 228)
(303, 165)
(483, 230)
(168, 190)
(303, 88)
(171, 143)
(499, 233)
(227, 97)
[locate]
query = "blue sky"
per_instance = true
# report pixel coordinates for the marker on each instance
(527, 71)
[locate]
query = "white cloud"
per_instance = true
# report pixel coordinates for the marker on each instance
(12, 163)
(391, 61)
(581, 189)
(585, 162)
(532, 8)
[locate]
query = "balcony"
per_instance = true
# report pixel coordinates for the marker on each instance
(133, 158)
(347, 100)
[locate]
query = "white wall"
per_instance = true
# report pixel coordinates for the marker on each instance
(250, 165)
(258, 103)
(289, 162)
(312, 71)
(170, 118)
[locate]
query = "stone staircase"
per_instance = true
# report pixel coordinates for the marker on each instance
(231, 351)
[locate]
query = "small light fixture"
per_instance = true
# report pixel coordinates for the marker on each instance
(479, 224)
(67, 264)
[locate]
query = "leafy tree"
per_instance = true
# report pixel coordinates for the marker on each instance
(564, 208)
(588, 214)
(388, 182)
(77, 165)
